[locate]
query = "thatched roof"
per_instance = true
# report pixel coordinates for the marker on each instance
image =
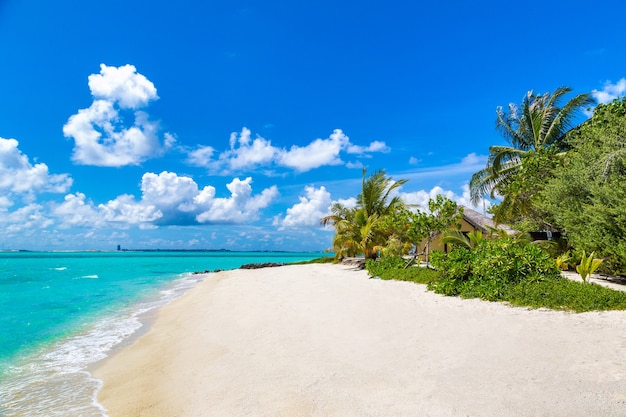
(482, 222)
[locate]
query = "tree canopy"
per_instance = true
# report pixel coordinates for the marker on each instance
(538, 125)
(587, 193)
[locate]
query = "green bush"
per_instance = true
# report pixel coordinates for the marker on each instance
(415, 274)
(376, 266)
(394, 268)
(511, 261)
(487, 270)
(455, 265)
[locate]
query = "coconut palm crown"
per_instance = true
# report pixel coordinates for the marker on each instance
(539, 123)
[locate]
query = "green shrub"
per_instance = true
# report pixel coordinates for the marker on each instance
(415, 274)
(455, 265)
(511, 261)
(487, 270)
(375, 267)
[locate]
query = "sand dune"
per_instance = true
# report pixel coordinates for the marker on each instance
(324, 340)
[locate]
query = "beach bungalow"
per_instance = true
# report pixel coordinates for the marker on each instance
(471, 221)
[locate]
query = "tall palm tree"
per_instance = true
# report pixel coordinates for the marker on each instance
(357, 229)
(539, 123)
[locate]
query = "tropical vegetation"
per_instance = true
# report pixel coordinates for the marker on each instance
(554, 176)
(535, 131)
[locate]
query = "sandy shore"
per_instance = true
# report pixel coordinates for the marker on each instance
(324, 340)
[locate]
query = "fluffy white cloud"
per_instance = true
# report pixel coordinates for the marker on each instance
(168, 190)
(125, 211)
(610, 91)
(100, 136)
(122, 85)
(309, 211)
(241, 206)
(247, 153)
(313, 206)
(19, 176)
(318, 153)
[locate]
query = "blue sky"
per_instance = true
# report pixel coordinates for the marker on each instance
(208, 125)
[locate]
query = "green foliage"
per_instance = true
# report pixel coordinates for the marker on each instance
(396, 226)
(487, 270)
(394, 267)
(376, 266)
(455, 265)
(534, 290)
(443, 214)
(522, 191)
(587, 193)
(587, 266)
(361, 230)
(539, 123)
(416, 274)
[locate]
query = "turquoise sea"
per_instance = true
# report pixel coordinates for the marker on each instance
(60, 312)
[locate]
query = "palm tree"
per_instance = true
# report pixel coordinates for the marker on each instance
(376, 190)
(357, 229)
(540, 123)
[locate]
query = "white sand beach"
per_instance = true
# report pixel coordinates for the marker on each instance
(324, 340)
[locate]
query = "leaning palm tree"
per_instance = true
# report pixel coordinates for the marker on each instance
(539, 123)
(358, 230)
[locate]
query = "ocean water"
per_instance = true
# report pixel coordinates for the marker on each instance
(60, 312)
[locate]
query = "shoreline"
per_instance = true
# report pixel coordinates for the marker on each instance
(324, 340)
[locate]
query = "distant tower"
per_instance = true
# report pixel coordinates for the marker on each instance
(119, 247)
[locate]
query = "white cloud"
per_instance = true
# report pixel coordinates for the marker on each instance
(100, 135)
(246, 153)
(125, 211)
(19, 176)
(309, 211)
(75, 211)
(167, 189)
(376, 146)
(318, 153)
(240, 207)
(610, 91)
(25, 219)
(123, 85)
(201, 157)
